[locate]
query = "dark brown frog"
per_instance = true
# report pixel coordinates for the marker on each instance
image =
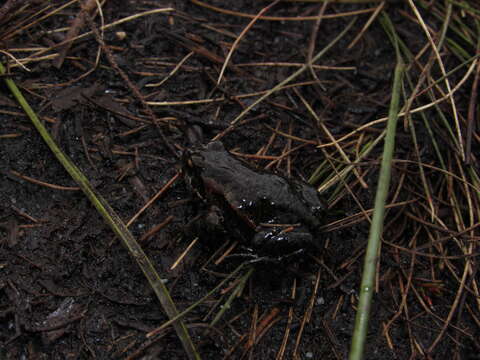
(271, 215)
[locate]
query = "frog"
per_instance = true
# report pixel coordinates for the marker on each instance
(272, 216)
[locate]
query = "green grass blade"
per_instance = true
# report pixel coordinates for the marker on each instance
(372, 254)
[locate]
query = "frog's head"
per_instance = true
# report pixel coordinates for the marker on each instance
(192, 168)
(203, 157)
(199, 168)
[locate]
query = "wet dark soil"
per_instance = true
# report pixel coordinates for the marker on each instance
(69, 290)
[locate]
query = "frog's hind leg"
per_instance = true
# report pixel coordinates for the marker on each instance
(278, 259)
(275, 241)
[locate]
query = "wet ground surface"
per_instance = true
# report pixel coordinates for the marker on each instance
(69, 290)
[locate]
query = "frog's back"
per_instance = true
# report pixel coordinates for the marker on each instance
(259, 191)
